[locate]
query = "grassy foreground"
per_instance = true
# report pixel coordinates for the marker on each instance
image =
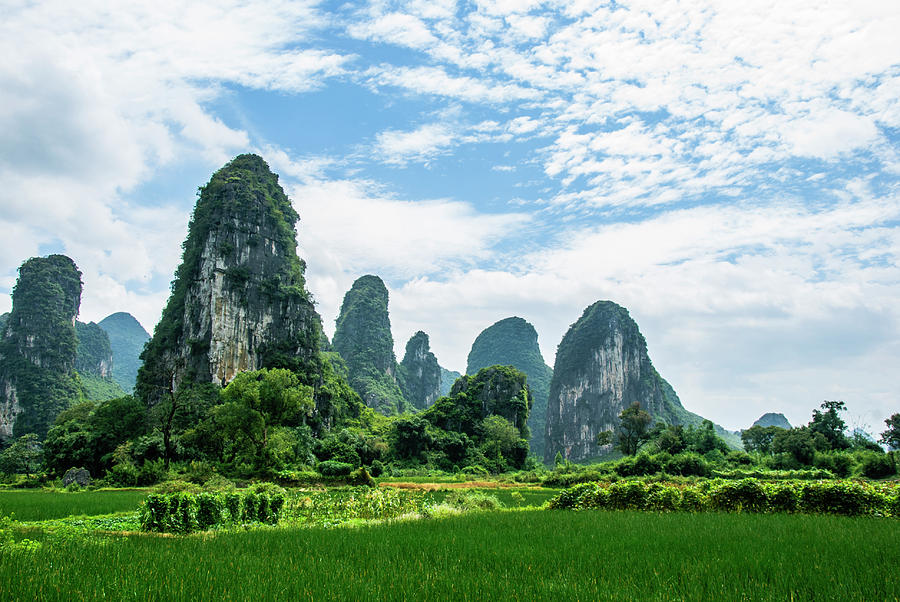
(558, 555)
(36, 504)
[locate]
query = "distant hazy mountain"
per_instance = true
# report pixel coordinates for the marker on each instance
(448, 377)
(773, 419)
(126, 338)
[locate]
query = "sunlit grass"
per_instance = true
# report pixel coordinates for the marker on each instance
(556, 555)
(31, 505)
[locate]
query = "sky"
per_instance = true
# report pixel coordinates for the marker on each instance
(727, 171)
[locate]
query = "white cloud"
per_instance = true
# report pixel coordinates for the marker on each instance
(421, 144)
(829, 133)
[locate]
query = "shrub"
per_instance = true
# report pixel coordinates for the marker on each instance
(182, 513)
(663, 498)
(746, 495)
(249, 508)
(154, 513)
(473, 500)
(687, 464)
(628, 495)
(377, 468)
(361, 476)
(692, 500)
(783, 497)
(841, 497)
(877, 466)
(210, 508)
(333, 468)
(233, 506)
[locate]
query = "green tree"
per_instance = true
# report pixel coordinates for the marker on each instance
(891, 436)
(23, 456)
(633, 430)
(830, 424)
(800, 444)
(759, 438)
(255, 403)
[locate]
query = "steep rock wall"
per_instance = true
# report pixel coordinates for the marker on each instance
(602, 367)
(420, 374)
(239, 300)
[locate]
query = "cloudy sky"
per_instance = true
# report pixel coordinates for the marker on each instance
(728, 171)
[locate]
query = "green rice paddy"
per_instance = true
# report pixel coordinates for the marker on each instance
(516, 555)
(33, 505)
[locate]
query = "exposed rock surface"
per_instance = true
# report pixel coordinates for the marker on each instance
(772, 419)
(513, 342)
(79, 476)
(239, 300)
(601, 368)
(126, 339)
(420, 374)
(38, 347)
(362, 336)
(448, 377)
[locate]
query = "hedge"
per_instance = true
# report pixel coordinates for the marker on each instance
(849, 498)
(189, 512)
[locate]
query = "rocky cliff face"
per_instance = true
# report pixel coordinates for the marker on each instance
(38, 347)
(601, 368)
(239, 299)
(772, 419)
(514, 342)
(362, 336)
(126, 339)
(420, 374)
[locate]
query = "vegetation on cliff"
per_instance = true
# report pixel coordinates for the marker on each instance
(37, 354)
(448, 378)
(363, 338)
(513, 342)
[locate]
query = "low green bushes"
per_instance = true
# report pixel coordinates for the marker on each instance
(746, 495)
(186, 512)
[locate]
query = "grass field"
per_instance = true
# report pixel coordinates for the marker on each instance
(32, 505)
(543, 555)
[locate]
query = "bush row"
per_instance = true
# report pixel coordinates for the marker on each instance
(186, 512)
(747, 495)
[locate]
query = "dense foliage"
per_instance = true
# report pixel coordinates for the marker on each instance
(363, 338)
(745, 495)
(126, 339)
(38, 349)
(513, 342)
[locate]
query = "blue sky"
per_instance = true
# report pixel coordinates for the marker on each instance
(728, 173)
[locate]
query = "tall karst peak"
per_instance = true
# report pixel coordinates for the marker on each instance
(239, 300)
(39, 346)
(362, 336)
(602, 367)
(514, 342)
(420, 374)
